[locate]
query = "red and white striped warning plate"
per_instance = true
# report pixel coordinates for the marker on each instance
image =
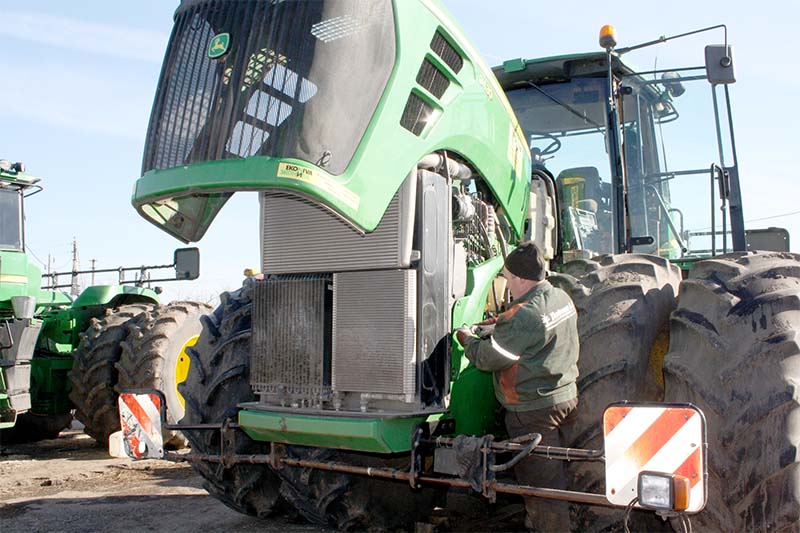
(140, 418)
(662, 438)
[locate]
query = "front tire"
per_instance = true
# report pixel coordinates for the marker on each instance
(218, 381)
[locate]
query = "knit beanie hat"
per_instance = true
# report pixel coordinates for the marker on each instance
(526, 262)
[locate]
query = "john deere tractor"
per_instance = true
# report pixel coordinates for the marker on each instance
(59, 354)
(395, 170)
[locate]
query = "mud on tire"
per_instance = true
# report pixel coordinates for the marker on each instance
(94, 376)
(735, 353)
(218, 381)
(624, 303)
(352, 502)
(152, 350)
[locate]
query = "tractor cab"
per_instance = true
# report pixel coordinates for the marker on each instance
(662, 180)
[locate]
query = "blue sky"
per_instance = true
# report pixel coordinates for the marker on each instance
(79, 79)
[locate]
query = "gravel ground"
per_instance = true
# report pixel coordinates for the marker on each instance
(71, 484)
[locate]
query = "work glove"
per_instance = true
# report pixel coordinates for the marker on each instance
(480, 330)
(462, 334)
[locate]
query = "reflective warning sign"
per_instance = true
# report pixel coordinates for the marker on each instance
(664, 438)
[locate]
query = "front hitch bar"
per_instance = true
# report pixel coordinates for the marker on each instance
(521, 446)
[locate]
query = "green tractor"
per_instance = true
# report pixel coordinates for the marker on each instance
(394, 175)
(60, 355)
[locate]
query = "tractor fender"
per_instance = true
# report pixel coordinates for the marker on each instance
(114, 296)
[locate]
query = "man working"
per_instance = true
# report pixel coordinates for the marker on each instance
(533, 354)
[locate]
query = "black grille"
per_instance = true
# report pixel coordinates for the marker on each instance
(291, 339)
(298, 79)
(416, 114)
(448, 54)
(432, 79)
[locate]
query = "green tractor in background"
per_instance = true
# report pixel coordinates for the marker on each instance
(393, 177)
(59, 355)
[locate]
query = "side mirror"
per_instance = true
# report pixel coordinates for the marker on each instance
(187, 263)
(719, 64)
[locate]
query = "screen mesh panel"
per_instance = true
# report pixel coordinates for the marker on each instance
(294, 79)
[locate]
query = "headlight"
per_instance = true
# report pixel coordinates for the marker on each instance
(669, 492)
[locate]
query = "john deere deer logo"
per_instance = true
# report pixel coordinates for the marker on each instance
(219, 45)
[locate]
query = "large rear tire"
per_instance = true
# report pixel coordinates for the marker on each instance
(735, 353)
(624, 303)
(218, 381)
(154, 355)
(94, 376)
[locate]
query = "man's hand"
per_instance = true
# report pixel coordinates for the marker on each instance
(483, 330)
(462, 334)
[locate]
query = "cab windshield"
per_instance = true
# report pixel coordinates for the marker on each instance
(668, 159)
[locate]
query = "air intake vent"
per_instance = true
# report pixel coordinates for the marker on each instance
(432, 79)
(448, 54)
(416, 114)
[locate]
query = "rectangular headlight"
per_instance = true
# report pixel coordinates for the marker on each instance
(662, 491)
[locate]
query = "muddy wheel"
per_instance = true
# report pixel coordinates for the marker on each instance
(734, 352)
(154, 355)
(31, 427)
(351, 502)
(624, 303)
(94, 376)
(217, 382)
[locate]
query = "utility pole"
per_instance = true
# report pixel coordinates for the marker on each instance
(75, 290)
(93, 262)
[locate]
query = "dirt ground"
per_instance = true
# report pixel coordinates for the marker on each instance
(72, 484)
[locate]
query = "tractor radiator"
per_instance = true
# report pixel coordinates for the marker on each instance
(299, 235)
(290, 346)
(374, 333)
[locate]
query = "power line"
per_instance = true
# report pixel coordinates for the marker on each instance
(774, 216)
(708, 228)
(35, 256)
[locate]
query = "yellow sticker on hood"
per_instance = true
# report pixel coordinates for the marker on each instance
(320, 180)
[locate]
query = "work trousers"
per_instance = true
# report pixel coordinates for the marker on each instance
(543, 514)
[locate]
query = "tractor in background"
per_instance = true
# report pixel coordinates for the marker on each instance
(395, 171)
(60, 355)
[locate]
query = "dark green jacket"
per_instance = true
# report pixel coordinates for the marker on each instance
(533, 351)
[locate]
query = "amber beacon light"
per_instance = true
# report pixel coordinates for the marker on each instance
(608, 37)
